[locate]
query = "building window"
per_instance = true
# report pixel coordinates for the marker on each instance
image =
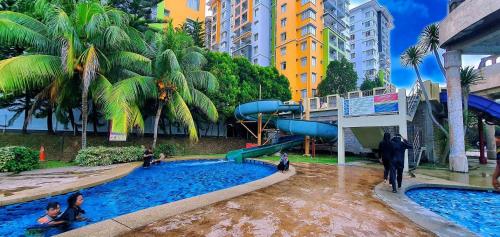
(255, 48)
(304, 2)
(283, 50)
(367, 24)
(303, 94)
(303, 77)
(255, 12)
(353, 46)
(353, 55)
(194, 4)
(283, 22)
(283, 36)
(313, 78)
(353, 37)
(303, 45)
(313, 45)
(313, 61)
(283, 65)
(255, 61)
(303, 61)
(367, 33)
(351, 18)
(308, 29)
(309, 13)
(314, 92)
(256, 37)
(283, 8)
(351, 28)
(166, 12)
(368, 14)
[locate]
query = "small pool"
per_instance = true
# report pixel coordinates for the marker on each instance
(478, 211)
(142, 188)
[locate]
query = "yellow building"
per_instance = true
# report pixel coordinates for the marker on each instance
(181, 10)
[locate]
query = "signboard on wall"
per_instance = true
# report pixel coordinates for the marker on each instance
(361, 106)
(387, 103)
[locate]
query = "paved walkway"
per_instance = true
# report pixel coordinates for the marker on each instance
(321, 200)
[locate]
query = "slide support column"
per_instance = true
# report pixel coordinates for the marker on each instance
(340, 133)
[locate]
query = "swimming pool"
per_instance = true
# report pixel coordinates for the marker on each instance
(478, 211)
(142, 188)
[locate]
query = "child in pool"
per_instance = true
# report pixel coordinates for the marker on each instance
(53, 209)
(74, 212)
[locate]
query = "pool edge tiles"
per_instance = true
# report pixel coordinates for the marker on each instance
(418, 214)
(124, 223)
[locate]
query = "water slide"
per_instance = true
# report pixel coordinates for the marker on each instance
(489, 109)
(295, 127)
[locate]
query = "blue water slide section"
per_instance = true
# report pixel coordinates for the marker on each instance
(489, 109)
(298, 128)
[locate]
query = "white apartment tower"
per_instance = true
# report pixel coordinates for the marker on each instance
(242, 28)
(370, 25)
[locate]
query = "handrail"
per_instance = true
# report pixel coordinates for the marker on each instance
(414, 99)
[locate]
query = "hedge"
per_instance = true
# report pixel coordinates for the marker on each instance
(17, 159)
(100, 155)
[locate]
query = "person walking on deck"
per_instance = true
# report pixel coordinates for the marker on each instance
(398, 159)
(385, 151)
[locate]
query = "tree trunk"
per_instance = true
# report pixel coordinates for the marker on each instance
(95, 121)
(436, 54)
(428, 103)
(84, 115)
(50, 129)
(157, 120)
(27, 106)
(72, 120)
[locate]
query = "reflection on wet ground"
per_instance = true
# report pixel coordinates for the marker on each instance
(321, 200)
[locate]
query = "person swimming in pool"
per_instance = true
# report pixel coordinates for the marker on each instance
(496, 174)
(53, 210)
(74, 212)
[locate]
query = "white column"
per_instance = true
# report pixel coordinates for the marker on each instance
(340, 133)
(491, 147)
(403, 127)
(452, 64)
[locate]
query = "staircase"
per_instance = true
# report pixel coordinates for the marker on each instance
(413, 99)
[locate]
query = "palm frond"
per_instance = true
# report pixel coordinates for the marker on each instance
(115, 38)
(60, 23)
(131, 61)
(429, 38)
(177, 110)
(134, 89)
(90, 61)
(412, 56)
(12, 33)
(204, 104)
(68, 53)
(202, 80)
(24, 20)
(469, 76)
(193, 60)
(136, 119)
(28, 72)
(178, 79)
(137, 42)
(169, 58)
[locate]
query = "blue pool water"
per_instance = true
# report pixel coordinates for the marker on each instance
(478, 211)
(142, 188)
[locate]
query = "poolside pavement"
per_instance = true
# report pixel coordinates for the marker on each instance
(320, 200)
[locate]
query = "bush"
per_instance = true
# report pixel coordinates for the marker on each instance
(100, 155)
(17, 159)
(167, 149)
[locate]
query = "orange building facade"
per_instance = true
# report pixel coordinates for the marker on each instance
(181, 10)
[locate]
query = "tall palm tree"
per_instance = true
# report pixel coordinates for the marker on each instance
(73, 41)
(429, 42)
(172, 76)
(413, 57)
(468, 77)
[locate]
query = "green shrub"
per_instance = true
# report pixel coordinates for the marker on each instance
(168, 149)
(100, 155)
(17, 159)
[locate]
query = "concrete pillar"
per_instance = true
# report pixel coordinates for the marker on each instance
(491, 146)
(403, 125)
(340, 133)
(452, 64)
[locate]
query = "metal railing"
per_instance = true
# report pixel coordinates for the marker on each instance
(413, 100)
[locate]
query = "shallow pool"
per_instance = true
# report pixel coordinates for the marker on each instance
(142, 188)
(478, 211)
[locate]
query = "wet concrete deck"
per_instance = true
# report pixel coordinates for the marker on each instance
(320, 200)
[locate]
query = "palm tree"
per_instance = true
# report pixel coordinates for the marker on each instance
(468, 77)
(413, 57)
(73, 42)
(172, 77)
(429, 42)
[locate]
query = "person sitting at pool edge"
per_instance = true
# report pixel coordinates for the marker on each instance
(74, 211)
(496, 174)
(53, 209)
(284, 163)
(159, 160)
(148, 156)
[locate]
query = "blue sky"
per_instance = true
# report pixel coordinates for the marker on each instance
(410, 17)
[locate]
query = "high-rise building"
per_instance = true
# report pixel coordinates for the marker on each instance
(242, 28)
(308, 35)
(370, 28)
(181, 10)
(208, 31)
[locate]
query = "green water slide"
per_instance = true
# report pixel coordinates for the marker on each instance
(295, 127)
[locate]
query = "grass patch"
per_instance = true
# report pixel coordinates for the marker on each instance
(319, 159)
(55, 164)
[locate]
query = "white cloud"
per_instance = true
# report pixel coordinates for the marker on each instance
(472, 60)
(355, 3)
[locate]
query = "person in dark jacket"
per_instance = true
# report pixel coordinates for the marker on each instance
(385, 154)
(74, 211)
(399, 146)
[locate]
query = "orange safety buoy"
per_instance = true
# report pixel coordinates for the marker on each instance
(42, 153)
